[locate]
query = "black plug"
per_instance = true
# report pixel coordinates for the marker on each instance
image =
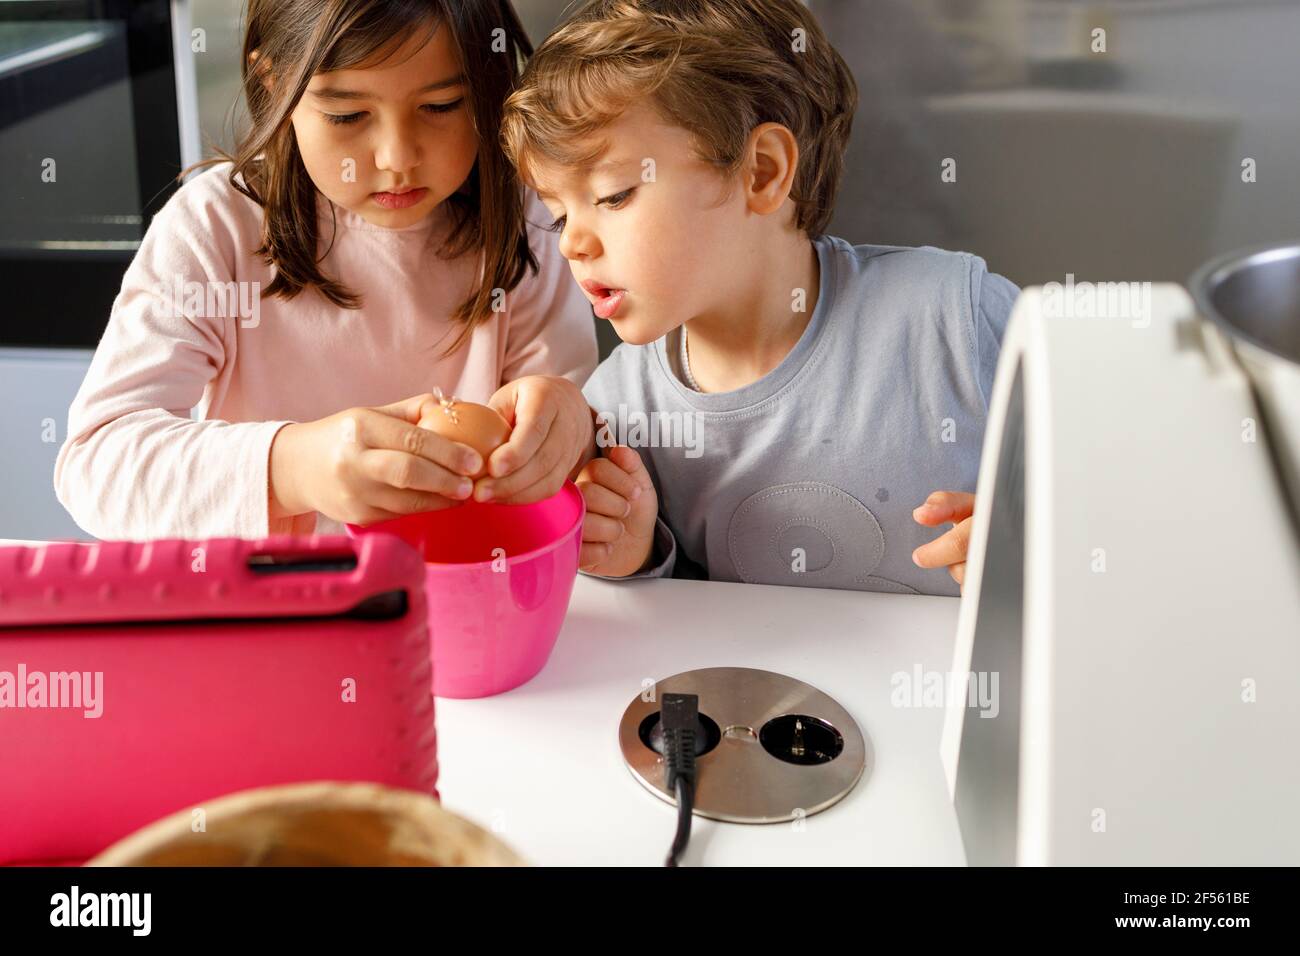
(679, 719)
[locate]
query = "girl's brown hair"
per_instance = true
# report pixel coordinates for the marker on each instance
(716, 68)
(300, 38)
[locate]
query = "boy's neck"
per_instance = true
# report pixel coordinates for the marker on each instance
(732, 348)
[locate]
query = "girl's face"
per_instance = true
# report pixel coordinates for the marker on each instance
(391, 140)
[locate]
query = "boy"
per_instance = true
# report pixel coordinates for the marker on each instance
(785, 395)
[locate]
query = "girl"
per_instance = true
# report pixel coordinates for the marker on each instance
(366, 243)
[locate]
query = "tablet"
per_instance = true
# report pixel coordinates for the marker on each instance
(141, 678)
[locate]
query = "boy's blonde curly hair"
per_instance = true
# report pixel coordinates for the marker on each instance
(717, 68)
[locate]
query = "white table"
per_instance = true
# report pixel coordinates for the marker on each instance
(541, 766)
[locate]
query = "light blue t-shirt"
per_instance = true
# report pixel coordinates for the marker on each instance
(809, 475)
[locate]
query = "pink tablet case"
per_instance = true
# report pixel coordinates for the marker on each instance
(226, 664)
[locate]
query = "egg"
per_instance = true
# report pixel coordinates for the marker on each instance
(477, 426)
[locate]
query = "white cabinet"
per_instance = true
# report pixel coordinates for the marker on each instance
(36, 388)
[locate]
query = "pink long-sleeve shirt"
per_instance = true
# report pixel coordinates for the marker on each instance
(137, 465)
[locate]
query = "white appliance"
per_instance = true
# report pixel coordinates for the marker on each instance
(1134, 581)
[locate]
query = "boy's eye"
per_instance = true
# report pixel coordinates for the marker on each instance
(558, 225)
(442, 107)
(617, 200)
(341, 119)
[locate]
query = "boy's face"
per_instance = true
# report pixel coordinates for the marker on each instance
(390, 141)
(648, 233)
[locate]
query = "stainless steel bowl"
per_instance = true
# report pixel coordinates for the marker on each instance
(1253, 296)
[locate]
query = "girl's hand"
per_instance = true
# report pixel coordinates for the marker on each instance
(949, 549)
(364, 465)
(618, 530)
(553, 437)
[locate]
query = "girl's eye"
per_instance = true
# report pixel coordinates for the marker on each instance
(442, 107)
(617, 200)
(558, 225)
(341, 119)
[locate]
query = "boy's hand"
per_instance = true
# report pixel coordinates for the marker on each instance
(363, 465)
(618, 530)
(553, 434)
(949, 549)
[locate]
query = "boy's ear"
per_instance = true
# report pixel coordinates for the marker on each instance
(769, 171)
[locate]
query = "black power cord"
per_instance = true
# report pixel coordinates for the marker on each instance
(679, 720)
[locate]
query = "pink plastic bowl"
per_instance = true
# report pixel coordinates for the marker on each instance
(498, 580)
